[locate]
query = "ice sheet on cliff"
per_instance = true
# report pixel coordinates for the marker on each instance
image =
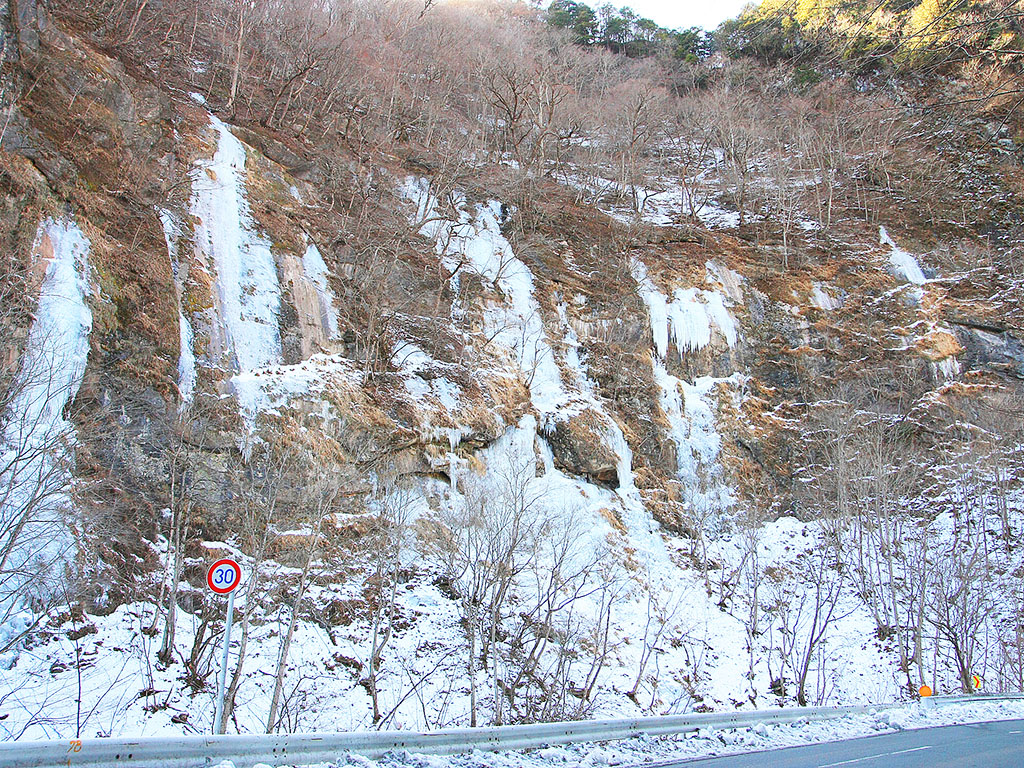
(186, 336)
(38, 438)
(475, 241)
(902, 262)
(316, 270)
(690, 318)
(247, 296)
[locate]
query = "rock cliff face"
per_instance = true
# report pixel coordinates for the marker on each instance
(608, 428)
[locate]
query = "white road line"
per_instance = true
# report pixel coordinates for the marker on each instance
(872, 757)
(1013, 731)
(849, 762)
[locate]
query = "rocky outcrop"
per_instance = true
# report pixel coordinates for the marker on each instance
(580, 448)
(998, 351)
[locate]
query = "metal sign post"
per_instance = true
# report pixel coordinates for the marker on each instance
(222, 578)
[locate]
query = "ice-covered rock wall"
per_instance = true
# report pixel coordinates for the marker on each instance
(38, 436)
(689, 320)
(243, 328)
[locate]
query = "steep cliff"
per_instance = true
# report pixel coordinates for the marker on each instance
(508, 445)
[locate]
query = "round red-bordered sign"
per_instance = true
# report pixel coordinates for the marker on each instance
(224, 576)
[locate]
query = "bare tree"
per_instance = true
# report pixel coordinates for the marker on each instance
(390, 506)
(320, 501)
(188, 440)
(639, 124)
(1011, 643)
(261, 479)
(662, 609)
(805, 608)
(694, 152)
(958, 600)
(739, 135)
(484, 551)
(752, 576)
(544, 643)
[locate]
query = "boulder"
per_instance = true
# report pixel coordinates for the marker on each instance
(580, 448)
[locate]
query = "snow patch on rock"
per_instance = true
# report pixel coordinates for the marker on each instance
(264, 390)
(822, 299)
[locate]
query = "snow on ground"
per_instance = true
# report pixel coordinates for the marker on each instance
(902, 263)
(247, 296)
(663, 205)
(35, 450)
(423, 681)
(263, 390)
(711, 742)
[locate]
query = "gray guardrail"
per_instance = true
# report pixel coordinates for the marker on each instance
(299, 749)
(978, 697)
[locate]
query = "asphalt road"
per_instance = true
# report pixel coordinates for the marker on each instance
(998, 744)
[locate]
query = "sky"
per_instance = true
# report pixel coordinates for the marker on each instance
(673, 14)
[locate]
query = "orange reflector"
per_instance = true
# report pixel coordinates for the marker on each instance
(925, 691)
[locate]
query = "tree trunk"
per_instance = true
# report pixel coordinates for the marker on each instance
(472, 666)
(235, 72)
(282, 659)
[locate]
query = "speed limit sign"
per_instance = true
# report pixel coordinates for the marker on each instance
(223, 576)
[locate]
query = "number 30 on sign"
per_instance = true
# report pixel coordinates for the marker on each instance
(223, 576)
